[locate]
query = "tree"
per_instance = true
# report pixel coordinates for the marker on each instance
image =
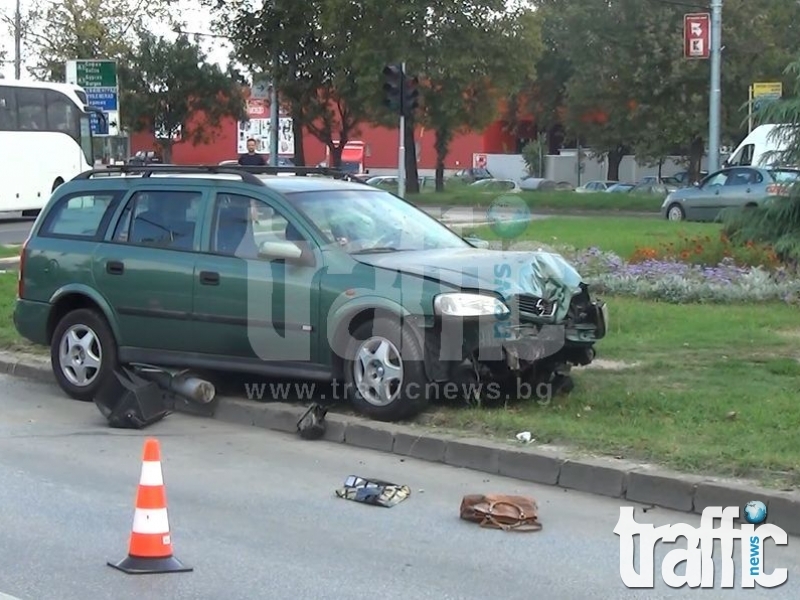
(84, 29)
(545, 94)
(320, 76)
(470, 62)
(278, 29)
(626, 65)
(165, 84)
(776, 223)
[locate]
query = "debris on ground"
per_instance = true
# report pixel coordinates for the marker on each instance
(371, 491)
(526, 437)
(311, 425)
(140, 395)
(500, 511)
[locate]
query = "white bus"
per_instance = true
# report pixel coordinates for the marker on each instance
(45, 140)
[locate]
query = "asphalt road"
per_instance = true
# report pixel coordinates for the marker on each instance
(254, 513)
(14, 231)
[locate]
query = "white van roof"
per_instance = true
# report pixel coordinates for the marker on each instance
(766, 140)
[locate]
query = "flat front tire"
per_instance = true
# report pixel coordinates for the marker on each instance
(385, 371)
(83, 353)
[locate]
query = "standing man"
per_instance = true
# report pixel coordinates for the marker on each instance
(251, 158)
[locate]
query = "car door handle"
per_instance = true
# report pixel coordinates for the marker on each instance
(115, 267)
(209, 278)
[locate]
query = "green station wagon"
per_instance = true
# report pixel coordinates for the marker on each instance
(308, 276)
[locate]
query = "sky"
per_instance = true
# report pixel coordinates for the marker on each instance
(197, 20)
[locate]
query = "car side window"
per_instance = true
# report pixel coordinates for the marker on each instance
(78, 215)
(717, 179)
(163, 219)
(739, 177)
(248, 227)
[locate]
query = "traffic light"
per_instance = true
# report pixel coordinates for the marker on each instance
(410, 95)
(393, 87)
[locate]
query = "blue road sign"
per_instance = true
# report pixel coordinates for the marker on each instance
(97, 126)
(103, 98)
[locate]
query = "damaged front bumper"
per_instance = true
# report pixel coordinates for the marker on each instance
(529, 340)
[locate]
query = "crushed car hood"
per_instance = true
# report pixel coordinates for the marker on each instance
(542, 274)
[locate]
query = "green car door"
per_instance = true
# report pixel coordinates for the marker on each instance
(256, 287)
(145, 266)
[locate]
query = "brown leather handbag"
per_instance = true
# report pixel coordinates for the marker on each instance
(499, 511)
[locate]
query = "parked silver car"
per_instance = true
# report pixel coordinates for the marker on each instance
(736, 187)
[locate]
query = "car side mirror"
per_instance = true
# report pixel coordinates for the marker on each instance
(279, 251)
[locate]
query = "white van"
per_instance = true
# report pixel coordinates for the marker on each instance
(761, 147)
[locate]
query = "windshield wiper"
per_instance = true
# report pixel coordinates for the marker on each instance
(376, 250)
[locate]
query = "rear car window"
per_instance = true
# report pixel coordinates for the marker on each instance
(78, 215)
(787, 176)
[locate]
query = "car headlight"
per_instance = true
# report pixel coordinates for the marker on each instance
(468, 305)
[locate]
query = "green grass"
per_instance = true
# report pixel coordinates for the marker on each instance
(9, 339)
(620, 234)
(8, 251)
(550, 201)
(699, 388)
(712, 390)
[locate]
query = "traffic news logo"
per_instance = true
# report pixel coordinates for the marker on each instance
(698, 553)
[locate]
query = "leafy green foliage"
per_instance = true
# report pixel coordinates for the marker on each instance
(165, 83)
(776, 222)
(471, 63)
(533, 155)
(319, 75)
(86, 29)
(618, 70)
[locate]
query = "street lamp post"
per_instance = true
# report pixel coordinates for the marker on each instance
(715, 91)
(274, 113)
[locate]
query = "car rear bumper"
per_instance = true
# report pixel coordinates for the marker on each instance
(30, 320)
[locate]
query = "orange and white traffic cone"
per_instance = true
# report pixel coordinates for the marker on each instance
(150, 547)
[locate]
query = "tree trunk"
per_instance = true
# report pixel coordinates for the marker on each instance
(441, 145)
(297, 132)
(166, 151)
(695, 158)
(412, 175)
(614, 161)
(336, 154)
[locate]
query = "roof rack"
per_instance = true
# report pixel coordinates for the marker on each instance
(246, 172)
(148, 170)
(324, 171)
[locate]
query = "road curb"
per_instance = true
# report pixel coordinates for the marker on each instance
(9, 261)
(636, 482)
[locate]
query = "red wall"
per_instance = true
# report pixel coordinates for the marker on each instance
(381, 147)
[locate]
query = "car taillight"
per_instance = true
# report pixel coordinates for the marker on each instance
(20, 274)
(777, 190)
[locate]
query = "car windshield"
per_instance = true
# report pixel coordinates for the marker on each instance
(373, 220)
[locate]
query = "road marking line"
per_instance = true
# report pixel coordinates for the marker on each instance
(7, 597)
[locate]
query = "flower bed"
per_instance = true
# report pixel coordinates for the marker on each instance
(671, 280)
(707, 250)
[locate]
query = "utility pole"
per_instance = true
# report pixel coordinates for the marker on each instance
(274, 114)
(273, 120)
(401, 157)
(18, 41)
(715, 92)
